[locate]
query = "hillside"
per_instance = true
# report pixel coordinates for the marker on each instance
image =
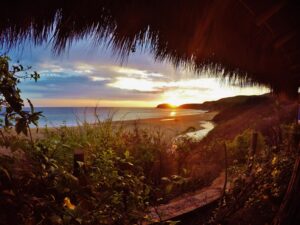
(236, 115)
(239, 116)
(218, 104)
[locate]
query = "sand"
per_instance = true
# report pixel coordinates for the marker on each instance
(171, 126)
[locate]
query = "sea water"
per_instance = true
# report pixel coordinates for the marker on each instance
(72, 116)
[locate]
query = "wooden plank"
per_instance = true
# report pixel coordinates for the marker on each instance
(189, 203)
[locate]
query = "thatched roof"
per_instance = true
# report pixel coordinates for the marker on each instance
(254, 39)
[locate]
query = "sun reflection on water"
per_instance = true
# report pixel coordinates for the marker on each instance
(173, 113)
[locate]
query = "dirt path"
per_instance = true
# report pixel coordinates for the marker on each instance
(190, 202)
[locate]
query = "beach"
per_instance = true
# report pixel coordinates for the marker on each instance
(71, 116)
(171, 126)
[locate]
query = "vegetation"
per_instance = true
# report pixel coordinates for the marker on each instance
(11, 101)
(258, 182)
(127, 171)
(123, 174)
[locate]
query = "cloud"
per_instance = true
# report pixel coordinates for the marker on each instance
(142, 85)
(131, 72)
(84, 68)
(89, 75)
(152, 85)
(95, 78)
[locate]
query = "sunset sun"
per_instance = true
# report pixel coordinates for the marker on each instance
(178, 97)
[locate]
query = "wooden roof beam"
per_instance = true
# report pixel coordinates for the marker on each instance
(245, 5)
(284, 39)
(266, 15)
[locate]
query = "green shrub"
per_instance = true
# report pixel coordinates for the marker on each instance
(239, 147)
(120, 178)
(262, 189)
(109, 191)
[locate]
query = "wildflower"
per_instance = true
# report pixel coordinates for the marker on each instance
(274, 160)
(68, 203)
(259, 169)
(174, 148)
(275, 172)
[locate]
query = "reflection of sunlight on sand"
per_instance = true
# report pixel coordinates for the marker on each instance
(199, 134)
(194, 136)
(168, 119)
(173, 113)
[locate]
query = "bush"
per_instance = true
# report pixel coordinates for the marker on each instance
(109, 191)
(123, 174)
(262, 189)
(238, 148)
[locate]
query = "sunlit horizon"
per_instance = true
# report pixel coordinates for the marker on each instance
(89, 78)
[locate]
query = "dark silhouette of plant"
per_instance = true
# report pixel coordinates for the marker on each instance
(11, 101)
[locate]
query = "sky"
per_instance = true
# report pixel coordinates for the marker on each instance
(90, 76)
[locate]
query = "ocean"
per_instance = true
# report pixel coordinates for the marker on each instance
(71, 116)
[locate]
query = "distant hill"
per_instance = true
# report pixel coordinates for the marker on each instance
(165, 106)
(220, 104)
(191, 106)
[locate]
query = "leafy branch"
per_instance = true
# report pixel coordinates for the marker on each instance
(11, 102)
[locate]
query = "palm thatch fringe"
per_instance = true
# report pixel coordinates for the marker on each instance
(252, 40)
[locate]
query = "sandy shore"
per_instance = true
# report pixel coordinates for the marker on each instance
(171, 126)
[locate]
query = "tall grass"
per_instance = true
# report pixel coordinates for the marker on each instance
(125, 171)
